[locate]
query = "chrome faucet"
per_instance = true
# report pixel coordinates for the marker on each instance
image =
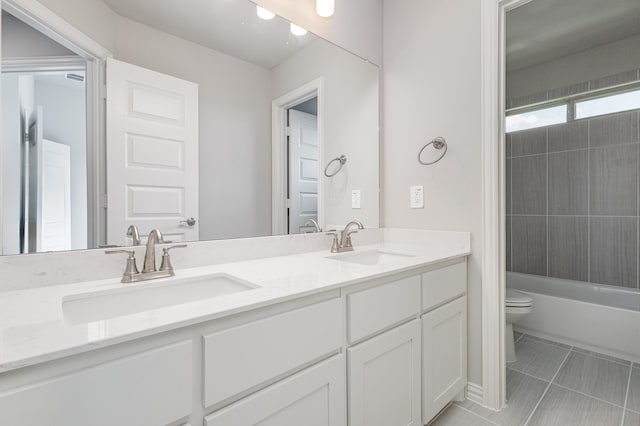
(344, 244)
(312, 222)
(149, 270)
(134, 234)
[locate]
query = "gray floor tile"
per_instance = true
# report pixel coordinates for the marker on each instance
(456, 416)
(603, 356)
(538, 358)
(516, 335)
(563, 407)
(631, 418)
(523, 393)
(595, 377)
(633, 400)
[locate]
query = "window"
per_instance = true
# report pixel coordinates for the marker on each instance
(537, 118)
(608, 104)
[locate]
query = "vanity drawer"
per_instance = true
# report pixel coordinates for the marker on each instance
(243, 357)
(441, 285)
(375, 309)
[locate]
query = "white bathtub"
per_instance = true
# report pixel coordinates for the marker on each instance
(596, 317)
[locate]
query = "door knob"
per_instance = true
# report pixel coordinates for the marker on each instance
(189, 222)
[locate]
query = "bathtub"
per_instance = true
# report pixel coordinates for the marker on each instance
(596, 317)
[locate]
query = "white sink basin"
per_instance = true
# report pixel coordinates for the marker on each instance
(141, 297)
(370, 257)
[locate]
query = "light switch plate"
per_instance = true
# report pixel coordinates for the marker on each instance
(416, 196)
(355, 199)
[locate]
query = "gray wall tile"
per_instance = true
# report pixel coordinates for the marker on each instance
(529, 244)
(569, 183)
(507, 178)
(529, 185)
(507, 148)
(613, 80)
(508, 236)
(574, 135)
(529, 99)
(613, 250)
(569, 247)
(613, 129)
(614, 181)
(529, 142)
(569, 90)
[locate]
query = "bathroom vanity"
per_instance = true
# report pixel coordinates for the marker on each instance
(376, 336)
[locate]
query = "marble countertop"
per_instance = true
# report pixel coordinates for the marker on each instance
(34, 328)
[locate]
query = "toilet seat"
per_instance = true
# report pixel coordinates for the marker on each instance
(518, 299)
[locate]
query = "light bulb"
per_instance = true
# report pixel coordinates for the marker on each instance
(325, 8)
(264, 13)
(296, 30)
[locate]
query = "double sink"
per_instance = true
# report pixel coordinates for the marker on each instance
(137, 298)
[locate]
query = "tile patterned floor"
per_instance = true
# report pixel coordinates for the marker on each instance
(555, 384)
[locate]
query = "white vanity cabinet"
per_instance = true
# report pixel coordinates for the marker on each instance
(444, 337)
(313, 397)
(384, 378)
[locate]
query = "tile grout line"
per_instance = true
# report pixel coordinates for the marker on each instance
(586, 395)
(626, 397)
(518, 339)
(528, 375)
(477, 415)
(526, 423)
(599, 356)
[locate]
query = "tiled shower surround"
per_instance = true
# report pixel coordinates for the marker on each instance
(573, 204)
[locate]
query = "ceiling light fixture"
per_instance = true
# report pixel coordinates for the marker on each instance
(264, 13)
(325, 8)
(296, 30)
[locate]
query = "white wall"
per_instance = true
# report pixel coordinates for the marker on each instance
(64, 122)
(92, 17)
(235, 127)
(351, 125)
(591, 64)
(10, 164)
(432, 88)
(356, 24)
(19, 40)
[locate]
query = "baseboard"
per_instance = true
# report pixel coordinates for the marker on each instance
(475, 393)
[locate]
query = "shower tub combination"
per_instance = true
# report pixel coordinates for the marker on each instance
(595, 317)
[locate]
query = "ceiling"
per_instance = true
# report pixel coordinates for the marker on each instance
(544, 30)
(228, 26)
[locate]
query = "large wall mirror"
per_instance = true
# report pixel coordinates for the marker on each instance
(213, 123)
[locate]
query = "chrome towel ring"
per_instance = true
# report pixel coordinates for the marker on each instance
(342, 159)
(438, 143)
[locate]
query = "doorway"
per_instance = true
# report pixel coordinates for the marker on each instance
(302, 167)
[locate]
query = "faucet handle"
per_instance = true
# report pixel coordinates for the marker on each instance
(131, 268)
(335, 245)
(166, 260)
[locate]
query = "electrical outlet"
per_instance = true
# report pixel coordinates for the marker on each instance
(355, 199)
(416, 197)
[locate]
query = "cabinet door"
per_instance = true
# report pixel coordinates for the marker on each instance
(314, 397)
(444, 339)
(384, 379)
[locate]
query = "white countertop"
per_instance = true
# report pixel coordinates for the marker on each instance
(33, 328)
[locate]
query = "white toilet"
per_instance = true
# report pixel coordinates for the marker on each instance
(518, 305)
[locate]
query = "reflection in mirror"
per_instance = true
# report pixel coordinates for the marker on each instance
(218, 124)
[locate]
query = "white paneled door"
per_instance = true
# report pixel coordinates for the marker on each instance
(152, 153)
(303, 170)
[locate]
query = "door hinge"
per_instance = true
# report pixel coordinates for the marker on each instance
(288, 131)
(27, 139)
(288, 203)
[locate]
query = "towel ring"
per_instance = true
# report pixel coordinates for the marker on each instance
(342, 159)
(438, 143)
